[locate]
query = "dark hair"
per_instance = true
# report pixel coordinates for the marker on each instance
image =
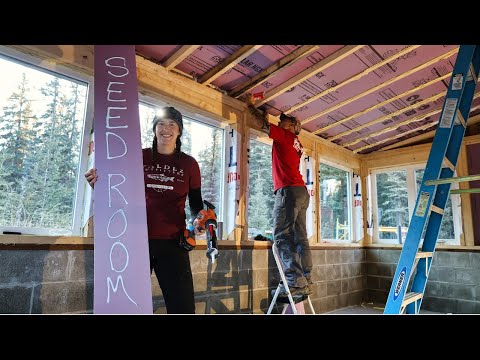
(171, 113)
(286, 117)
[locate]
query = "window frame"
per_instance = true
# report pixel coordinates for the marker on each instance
(412, 198)
(70, 75)
(350, 191)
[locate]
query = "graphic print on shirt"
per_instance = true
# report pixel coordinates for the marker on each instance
(297, 146)
(166, 174)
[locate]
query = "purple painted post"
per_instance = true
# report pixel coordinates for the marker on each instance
(122, 282)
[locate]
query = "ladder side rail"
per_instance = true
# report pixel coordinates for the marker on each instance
(443, 190)
(426, 193)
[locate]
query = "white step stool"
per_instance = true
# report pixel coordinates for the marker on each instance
(294, 304)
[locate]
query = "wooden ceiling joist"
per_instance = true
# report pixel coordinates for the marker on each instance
(471, 121)
(420, 128)
(375, 88)
(281, 65)
(179, 56)
(389, 116)
(309, 72)
(353, 78)
(228, 63)
(381, 104)
(402, 123)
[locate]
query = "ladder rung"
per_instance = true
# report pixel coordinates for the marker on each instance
(423, 254)
(448, 164)
(436, 209)
(411, 297)
(452, 180)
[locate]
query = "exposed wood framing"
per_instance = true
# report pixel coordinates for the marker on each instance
(311, 71)
(228, 63)
(379, 86)
(420, 128)
(353, 78)
(281, 65)
(376, 106)
(472, 121)
(241, 231)
(179, 55)
(389, 116)
(402, 123)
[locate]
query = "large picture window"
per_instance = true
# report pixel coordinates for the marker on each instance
(201, 140)
(335, 195)
(395, 193)
(42, 132)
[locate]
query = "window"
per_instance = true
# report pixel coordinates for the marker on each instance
(201, 140)
(42, 147)
(392, 206)
(395, 192)
(260, 196)
(335, 213)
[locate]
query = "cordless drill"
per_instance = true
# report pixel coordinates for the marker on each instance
(206, 219)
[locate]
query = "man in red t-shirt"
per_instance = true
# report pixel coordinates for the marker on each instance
(291, 200)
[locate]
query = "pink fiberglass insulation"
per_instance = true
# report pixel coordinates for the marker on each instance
(158, 52)
(205, 58)
(382, 94)
(361, 60)
(253, 64)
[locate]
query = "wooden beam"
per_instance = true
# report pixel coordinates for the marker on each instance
(228, 63)
(281, 65)
(309, 72)
(353, 78)
(179, 56)
(391, 115)
(473, 120)
(376, 106)
(384, 84)
(426, 126)
(402, 123)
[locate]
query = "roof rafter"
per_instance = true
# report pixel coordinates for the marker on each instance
(353, 78)
(309, 72)
(228, 63)
(375, 88)
(179, 55)
(420, 128)
(282, 64)
(402, 123)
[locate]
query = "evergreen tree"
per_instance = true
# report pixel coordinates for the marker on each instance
(210, 162)
(16, 132)
(260, 198)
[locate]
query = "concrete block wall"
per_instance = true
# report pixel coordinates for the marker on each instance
(61, 281)
(453, 285)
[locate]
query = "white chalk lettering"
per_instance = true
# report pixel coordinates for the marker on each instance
(109, 157)
(114, 288)
(125, 224)
(126, 259)
(110, 186)
(114, 117)
(114, 91)
(124, 67)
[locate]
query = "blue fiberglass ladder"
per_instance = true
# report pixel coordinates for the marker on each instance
(435, 188)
